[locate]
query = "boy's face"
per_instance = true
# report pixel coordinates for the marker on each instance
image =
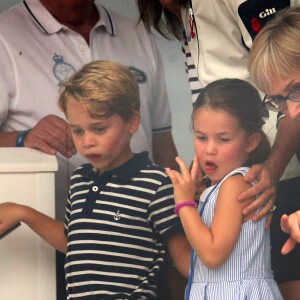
(104, 142)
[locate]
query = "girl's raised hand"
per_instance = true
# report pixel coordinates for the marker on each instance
(197, 176)
(183, 182)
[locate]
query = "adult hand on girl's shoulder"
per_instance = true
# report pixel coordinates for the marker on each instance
(265, 190)
(291, 224)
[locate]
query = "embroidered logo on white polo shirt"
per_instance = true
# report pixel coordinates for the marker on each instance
(61, 69)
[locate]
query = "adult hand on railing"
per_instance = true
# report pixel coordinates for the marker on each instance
(51, 135)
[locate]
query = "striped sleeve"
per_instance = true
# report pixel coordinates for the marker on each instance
(161, 210)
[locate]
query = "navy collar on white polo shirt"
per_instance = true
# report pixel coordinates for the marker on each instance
(48, 24)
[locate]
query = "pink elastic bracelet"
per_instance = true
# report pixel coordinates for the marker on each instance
(183, 204)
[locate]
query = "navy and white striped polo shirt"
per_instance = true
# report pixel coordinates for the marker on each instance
(116, 225)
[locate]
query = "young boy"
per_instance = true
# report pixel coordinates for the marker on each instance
(120, 206)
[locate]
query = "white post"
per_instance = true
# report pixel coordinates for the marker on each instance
(27, 263)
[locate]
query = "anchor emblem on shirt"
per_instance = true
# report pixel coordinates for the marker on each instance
(117, 216)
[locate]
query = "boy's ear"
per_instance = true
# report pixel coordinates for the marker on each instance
(134, 122)
(253, 141)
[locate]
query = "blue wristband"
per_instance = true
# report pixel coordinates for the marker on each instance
(21, 138)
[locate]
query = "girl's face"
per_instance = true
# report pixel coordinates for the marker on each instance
(104, 142)
(221, 145)
(282, 87)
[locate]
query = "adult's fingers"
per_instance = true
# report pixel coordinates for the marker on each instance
(183, 167)
(288, 246)
(195, 171)
(262, 205)
(266, 208)
(51, 135)
(284, 223)
(253, 173)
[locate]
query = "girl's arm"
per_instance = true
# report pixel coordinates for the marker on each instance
(213, 245)
(50, 230)
(291, 224)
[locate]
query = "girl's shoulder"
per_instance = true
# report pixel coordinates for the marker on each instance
(233, 184)
(231, 176)
(241, 170)
(231, 180)
(229, 183)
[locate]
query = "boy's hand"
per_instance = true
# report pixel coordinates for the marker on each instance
(291, 224)
(266, 191)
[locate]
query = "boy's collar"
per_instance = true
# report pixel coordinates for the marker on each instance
(124, 172)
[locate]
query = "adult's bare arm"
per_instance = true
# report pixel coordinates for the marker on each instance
(50, 135)
(164, 150)
(268, 174)
(179, 249)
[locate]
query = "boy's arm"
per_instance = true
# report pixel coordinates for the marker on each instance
(50, 230)
(179, 250)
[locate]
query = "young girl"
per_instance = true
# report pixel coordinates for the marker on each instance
(231, 258)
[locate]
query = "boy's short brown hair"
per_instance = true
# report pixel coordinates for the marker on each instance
(104, 88)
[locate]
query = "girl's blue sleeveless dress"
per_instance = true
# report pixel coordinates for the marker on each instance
(247, 272)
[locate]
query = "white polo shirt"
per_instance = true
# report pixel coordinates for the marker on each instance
(37, 52)
(224, 33)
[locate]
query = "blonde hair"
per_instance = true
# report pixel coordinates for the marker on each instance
(104, 88)
(275, 51)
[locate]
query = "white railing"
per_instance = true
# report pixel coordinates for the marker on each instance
(27, 263)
